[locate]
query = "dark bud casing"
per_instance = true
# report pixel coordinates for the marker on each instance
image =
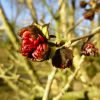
(89, 15)
(83, 4)
(63, 58)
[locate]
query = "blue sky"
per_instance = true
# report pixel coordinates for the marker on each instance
(24, 17)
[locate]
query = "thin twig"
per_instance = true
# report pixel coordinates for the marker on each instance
(81, 94)
(8, 28)
(1, 28)
(11, 84)
(49, 83)
(94, 32)
(91, 34)
(49, 9)
(73, 27)
(32, 10)
(60, 6)
(71, 78)
(27, 65)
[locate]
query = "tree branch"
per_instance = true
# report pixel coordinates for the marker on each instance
(71, 78)
(49, 9)
(32, 10)
(8, 28)
(91, 34)
(49, 83)
(11, 84)
(27, 65)
(1, 28)
(94, 32)
(81, 94)
(77, 23)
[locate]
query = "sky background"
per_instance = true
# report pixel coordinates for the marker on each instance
(19, 14)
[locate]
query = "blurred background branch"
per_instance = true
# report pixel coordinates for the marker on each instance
(28, 80)
(8, 28)
(32, 9)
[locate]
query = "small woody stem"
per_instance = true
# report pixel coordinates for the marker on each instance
(71, 78)
(49, 83)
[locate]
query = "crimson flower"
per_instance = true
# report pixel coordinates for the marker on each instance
(34, 44)
(89, 49)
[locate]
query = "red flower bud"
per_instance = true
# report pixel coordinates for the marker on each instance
(89, 50)
(42, 39)
(83, 4)
(89, 15)
(41, 52)
(26, 34)
(34, 43)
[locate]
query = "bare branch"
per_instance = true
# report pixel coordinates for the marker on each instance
(94, 32)
(11, 84)
(71, 78)
(27, 65)
(1, 29)
(77, 23)
(32, 10)
(49, 9)
(8, 28)
(49, 83)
